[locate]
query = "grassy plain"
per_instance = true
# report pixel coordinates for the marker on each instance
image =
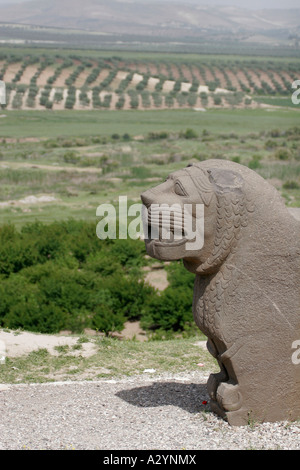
(143, 55)
(52, 124)
(85, 158)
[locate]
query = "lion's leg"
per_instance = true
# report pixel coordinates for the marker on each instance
(215, 380)
(223, 389)
(225, 392)
(260, 384)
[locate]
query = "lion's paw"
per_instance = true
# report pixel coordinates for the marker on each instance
(229, 396)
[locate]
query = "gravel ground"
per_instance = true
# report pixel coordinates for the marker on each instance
(140, 413)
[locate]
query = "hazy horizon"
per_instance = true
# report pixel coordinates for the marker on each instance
(250, 4)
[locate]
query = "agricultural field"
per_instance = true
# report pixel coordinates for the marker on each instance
(147, 81)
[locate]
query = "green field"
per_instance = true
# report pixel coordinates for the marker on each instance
(52, 124)
(82, 159)
(280, 101)
(143, 55)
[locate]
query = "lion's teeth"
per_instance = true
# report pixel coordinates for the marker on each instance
(171, 236)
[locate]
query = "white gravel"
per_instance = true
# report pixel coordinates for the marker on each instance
(138, 413)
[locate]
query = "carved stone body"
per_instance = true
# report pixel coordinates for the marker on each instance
(247, 287)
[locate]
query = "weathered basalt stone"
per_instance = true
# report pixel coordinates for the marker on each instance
(247, 287)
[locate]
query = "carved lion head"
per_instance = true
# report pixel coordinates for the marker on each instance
(220, 193)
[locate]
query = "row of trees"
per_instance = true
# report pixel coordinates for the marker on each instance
(213, 73)
(135, 99)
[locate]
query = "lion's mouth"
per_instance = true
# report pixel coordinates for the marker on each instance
(161, 236)
(161, 233)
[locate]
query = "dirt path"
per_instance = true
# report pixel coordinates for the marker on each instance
(19, 343)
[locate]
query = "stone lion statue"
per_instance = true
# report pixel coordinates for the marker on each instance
(247, 286)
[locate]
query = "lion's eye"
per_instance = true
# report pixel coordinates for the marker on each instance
(179, 190)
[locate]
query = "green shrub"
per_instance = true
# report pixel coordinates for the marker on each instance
(291, 185)
(177, 86)
(282, 154)
(121, 102)
(212, 85)
(192, 99)
(158, 135)
(71, 157)
(106, 317)
(159, 85)
(172, 310)
(217, 100)
(61, 276)
(190, 134)
(254, 164)
(270, 144)
(169, 100)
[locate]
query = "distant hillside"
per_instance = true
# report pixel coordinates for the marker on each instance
(146, 18)
(180, 22)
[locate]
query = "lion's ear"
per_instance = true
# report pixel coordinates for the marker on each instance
(225, 181)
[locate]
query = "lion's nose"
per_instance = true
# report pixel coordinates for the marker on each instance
(147, 198)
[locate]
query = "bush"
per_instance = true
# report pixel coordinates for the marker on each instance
(158, 135)
(254, 164)
(291, 185)
(195, 86)
(61, 276)
(275, 133)
(172, 310)
(192, 99)
(106, 318)
(71, 157)
(217, 100)
(282, 154)
(121, 102)
(169, 100)
(159, 85)
(177, 86)
(270, 144)
(190, 134)
(212, 85)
